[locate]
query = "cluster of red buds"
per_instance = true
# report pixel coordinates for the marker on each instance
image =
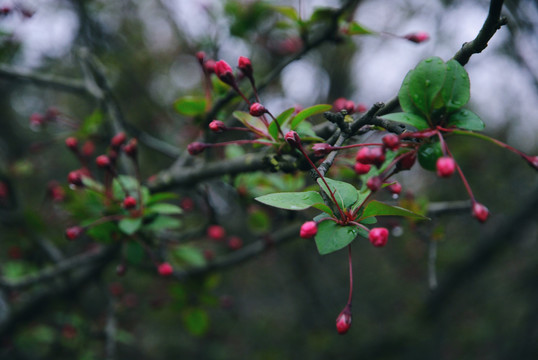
(217, 233)
(348, 105)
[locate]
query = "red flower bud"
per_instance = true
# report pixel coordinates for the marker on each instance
(445, 166)
(131, 149)
(165, 269)
(88, 148)
(293, 139)
(391, 141)
(378, 236)
(102, 161)
(343, 321)
(200, 55)
(55, 191)
(480, 212)
(217, 126)
(36, 120)
(377, 156)
(361, 169)
(257, 109)
(73, 232)
(322, 149)
(361, 108)
(363, 155)
(407, 161)
(118, 140)
(417, 37)
(235, 243)
(395, 188)
(75, 178)
(245, 66)
(374, 183)
(209, 66)
(225, 73)
(196, 148)
(344, 104)
(72, 144)
(216, 232)
(309, 229)
(129, 202)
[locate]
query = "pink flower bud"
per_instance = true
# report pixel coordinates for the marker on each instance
(245, 66)
(309, 229)
(343, 321)
(378, 236)
(374, 183)
(257, 109)
(235, 243)
(293, 139)
(75, 178)
(417, 37)
(344, 104)
(216, 232)
(200, 55)
(480, 212)
(102, 161)
(322, 149)
(361, 169)
(217, 126)
(209, 66)
(363, 155)
(72, 144)
(73, 232)
(391, 141)
(129, 202)
(377, 156)
(361, 108)
(407, 161)
(395, 188)
(224, 73)
(165, 269)
(118, 140)
(445, 166)
(196, 148)
(131, 149)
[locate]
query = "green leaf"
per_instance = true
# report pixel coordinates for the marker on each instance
(369, 220)
(309, 111)
(190, 255)
(134, 252)
(196, 321)
(376, 208)
(344, 193)
(456, 89)
(405, 99)
(91, 124)
(465, 119)
(190, 105)
(322, 14)
(104, 232)
(354, 28)
(130, 225)
(166, 209)
(416, 121)
(291, 200)
(280, 119)
(162, 223)
(428, 155)
(161, 197)
(288, 12)
(425, 83)
(252, 122)
(130, 183)
(332, 237)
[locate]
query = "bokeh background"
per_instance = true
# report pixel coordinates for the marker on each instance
(450, 288)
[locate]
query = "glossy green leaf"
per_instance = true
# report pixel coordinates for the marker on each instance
(91, 124)
(456, 88)
(369, 220)
(253, 123)
(163, 223)
(130, 225)
(354, 28)
(332, 237)
(190, 105)
(344, 193)
(465, 119)
(309, 111)
(190, 255)
(280, 119)
(196, 321)
(376, 208)
(428, 155)
(321, 14)
(414, 120)
(291, 200)
(165, 209)
(404, 97)
(162, 196)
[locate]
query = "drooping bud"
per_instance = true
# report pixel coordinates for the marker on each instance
(377, 156)
(196, 148)
(245, 66)
(165, 269)
(322, 149)
(445, 166)
(131, 148)
(293, 139)
(224, 73)
(361, 169)
(309, 229)
(209, 66)
(257, 109)
(363, 155)
(72, 144)
(417, 37)
(200, 55)
(378, 236)
(343, 321)
(480, 212)
(395, 188)
(217, 126)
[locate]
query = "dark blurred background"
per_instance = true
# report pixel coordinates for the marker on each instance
(447, 289)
